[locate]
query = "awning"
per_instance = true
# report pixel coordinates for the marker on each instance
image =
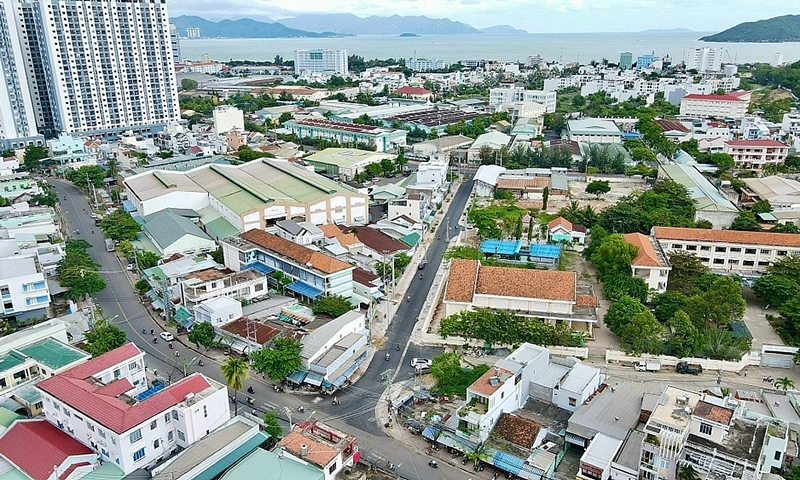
(507, 462)
(187, 323)
(575, 439)
(304, 289)
(430, 432)
(314, 379)
(358, 299)
(297, 377)
(158, 304)
(259, 267)
(128, 206)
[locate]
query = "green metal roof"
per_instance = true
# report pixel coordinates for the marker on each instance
(411, 239)
(221, 228)
(52, 353)
(345, 157)
(261, 461)
(107, 471)
(7, 417)
(166, 228)
(11, 360)
(16, 474)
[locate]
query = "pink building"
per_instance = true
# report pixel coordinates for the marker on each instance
(756, 153)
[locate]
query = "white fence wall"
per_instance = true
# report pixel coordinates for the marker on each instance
(748, 360)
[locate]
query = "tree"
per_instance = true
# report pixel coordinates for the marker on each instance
(33, 156)
(686, 269)
(333, 306)
(761, 206)
(723, 161)
(271, 425)
(285, 117)
(643, 334)
(620, 313)
(545, 198)
(617, 285)
(81, 281)
(147, 259)
(451, 377)
(614, 256)
(703, 223)
(119, 225)
(234, 371)
(785, 383)
(787, 267)
(666, 305)
(775, 290)
(188, 84)
(86, 175)
(598, 187)
(785, 228)
(104, 337)
(387, 166)
(279, 361)
(142, 286)
(688, 472)
(202, 334)
(685, 337)
(720, 304)
(746, 221)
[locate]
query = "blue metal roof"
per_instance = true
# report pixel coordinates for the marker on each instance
(430, 432)
(259, 267)
(544, 250)
(507, 462)
(128, 206)
(149, 392)
(304, 289)
(501, 247)
(314, 379)
(297, 377)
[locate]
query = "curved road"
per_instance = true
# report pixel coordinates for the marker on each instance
(355, 414)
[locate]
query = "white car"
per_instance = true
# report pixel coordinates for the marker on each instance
(420, 362)
(166, 336)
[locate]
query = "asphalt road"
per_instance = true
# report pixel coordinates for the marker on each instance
(355, 413)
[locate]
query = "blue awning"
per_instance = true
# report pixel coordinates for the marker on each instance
(297, 377)
(259, 267)
(128, 206)
(158, 304)
(314, 379)
(430, 432)
(187, 323)
(304, 289)
(507, 462)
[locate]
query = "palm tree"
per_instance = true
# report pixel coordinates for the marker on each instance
(235, 372)
(113, 167)
(785, 383)
(688, 472)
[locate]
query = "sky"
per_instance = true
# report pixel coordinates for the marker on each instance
(535, 16)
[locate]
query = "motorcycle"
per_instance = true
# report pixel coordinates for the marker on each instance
(250, 390)
(152, 332)
(155, 340)
(144, 330)
(387, 356)
(397, 347)
(171, 346)
(433, 464)
(200, 363)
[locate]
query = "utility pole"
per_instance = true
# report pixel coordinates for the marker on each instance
(167, 299)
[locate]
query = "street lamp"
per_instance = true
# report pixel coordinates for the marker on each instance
(187, 365)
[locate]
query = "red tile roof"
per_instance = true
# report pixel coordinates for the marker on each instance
(526, 283)
(364, 277)
(560, 221)
(461, 280)
(727, 98)
(763, 142)
(66, 473)
(293, 251)
(714, 413)
(728, 236)
(379, 241)
(412, 91)
(36, 446)
(646, 255)
(671, 126)
(115, 388)
(81, 392)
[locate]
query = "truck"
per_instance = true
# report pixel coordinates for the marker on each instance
(647, 366)
(109, 245)
(690, 368)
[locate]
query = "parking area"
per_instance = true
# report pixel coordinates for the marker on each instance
(755, 317)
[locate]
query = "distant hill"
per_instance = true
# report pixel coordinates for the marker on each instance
(774, 30)
(502, 29)
(242, 28)
(347, 23)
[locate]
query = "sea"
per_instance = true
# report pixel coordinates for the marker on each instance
(563, 47)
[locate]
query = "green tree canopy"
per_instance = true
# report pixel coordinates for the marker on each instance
(202, 334)
(686, 269)
(33, 156)
(761, 206)
(119, 225)
(666, 305)
(614, 256)
(720, 304)
(643, 334)
(787, 227)
(775, 290)
(333, 306)
(279, 361)
(86, 175)
(617, 285)
(147, 259)
(271, 425)
(188, 84)
(787, 267)
(104, 337)
(746, 221)
(620, 313)
(234, 371)
(723, 161)
(685, 337)
(598, 187)
(498, 327)
(451, 377)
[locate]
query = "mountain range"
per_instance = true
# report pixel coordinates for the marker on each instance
(785, 28)
(329, 25)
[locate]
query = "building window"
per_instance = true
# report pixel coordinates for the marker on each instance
(133, 367)
(733, 262)
(705, 429)
(156, 443)
(748, 263)
(175, 414)
(763, 264)
(153, 424)
(181, 436)
(333, 468)
(765, 251)
(136, 435)
(138, 455)
(170, 437)
(116, 373)
(720, 249)
(101, 432)
(205, 411)
(90, 426)
(167, 418)
(573, 401)
(750, 251)
(781, 253)
(777, 456)
(677, 246)
(736, 249)
(705, 248)
(719, 261)
(691, 247)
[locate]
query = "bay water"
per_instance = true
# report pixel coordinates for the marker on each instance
(566, 47)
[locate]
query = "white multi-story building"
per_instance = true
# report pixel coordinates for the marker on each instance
(98, 67)
(791, 123)
(107, 405)
(756, 153)
(731, 105)
(17, 117)
(729, 250)
(175, 39)
(424, 65)
(510, 93)
(228, 118)
(320, 60)
(703, 59)
(23, 288)
(650, 263)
